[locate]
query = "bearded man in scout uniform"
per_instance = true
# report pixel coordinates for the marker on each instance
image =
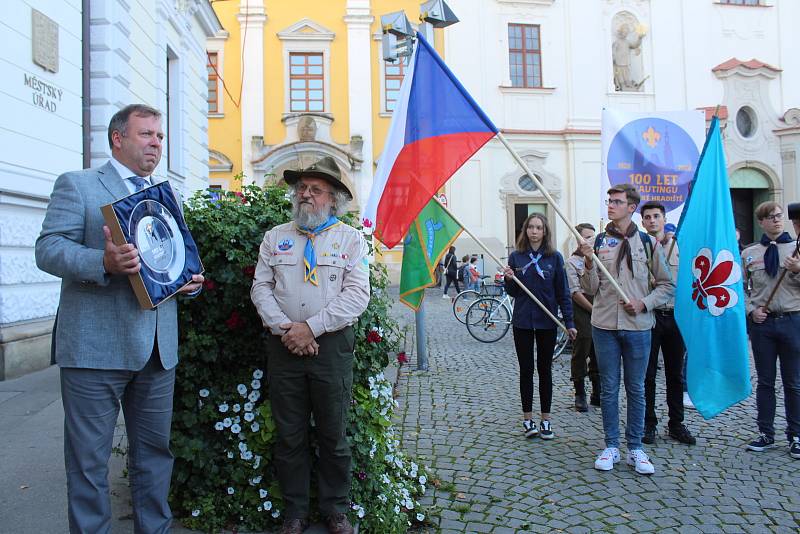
(774, 326)
(311, 284)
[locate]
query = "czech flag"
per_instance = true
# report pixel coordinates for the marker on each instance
(436, 127)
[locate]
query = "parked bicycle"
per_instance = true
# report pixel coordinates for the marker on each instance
(488, 320)
(463, 300)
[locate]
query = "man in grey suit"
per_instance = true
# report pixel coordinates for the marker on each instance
(111, 351)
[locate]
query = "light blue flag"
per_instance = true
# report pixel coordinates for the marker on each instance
(709, 298)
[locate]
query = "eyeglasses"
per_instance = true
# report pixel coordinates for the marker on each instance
(775, 217)
(616, 202)
(314, 190)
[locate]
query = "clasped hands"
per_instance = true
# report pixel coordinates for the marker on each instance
(124, 259)
(299, 339)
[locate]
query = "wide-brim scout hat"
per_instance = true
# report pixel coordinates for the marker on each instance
(325, 169)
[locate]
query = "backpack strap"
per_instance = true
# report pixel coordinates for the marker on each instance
(649, 251)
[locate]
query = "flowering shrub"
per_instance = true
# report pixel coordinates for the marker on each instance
(223, 429)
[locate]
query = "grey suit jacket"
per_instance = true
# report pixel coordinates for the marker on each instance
(99, 324)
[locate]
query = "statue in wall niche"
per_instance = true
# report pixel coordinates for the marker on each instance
(306, 128)
(626, 49)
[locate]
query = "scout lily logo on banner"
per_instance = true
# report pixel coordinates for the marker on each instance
(655, 152)
(711, 287)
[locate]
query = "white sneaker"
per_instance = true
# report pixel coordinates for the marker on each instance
(639, 460)
(445, 296)
(529, 428)
(607, 459)
(687, 402)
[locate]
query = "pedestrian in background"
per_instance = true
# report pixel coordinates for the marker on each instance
(583, 362)
(621, 331)
(541, 269)
(474, 274)
(774, 330)
(451, 271)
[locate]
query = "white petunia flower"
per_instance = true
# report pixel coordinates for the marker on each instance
(237, 419)
(230, 454)
(242, 389)
(227, 422)
(257, 463)
(247, 455)
(360, 512)
(254, 427)
(248, 416)
(195, 513)
(236, 408)
(259, 509)
(255, 384)
(248, 406)
(267, 505)
(420, 517)
(397, 508)
(219, 426)
(276, 513)
(423, 479)
(254, 396)
(255, 480)
(231, 490)
(262, 493)
(223, 407)
(242, 446)
(204, 394)
(235, 428)
(382, 498)
(258, 373)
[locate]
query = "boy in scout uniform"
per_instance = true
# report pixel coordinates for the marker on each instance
(621, 332)
(582, 347)
(311, 284)
(667, 339)
(774, 325)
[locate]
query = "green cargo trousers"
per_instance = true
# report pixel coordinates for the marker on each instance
(298, 387)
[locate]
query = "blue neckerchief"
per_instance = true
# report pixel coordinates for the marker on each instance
(535, 262)
(309, 256)
(771, 255)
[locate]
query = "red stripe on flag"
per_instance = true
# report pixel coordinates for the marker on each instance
(419, 171)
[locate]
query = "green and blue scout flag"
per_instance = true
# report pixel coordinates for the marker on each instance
(428, 238)
(709, 298)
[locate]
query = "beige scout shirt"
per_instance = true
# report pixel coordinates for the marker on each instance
(281, 295)
(607, 310)
(673, 262)
(787, 298)
(575, 268)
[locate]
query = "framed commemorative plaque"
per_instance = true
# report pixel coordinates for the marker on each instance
(151, 220)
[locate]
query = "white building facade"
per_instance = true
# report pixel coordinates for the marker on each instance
(543, 70)
(70, 65)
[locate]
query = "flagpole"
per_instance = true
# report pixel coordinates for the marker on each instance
(497, 260)
(553, 203)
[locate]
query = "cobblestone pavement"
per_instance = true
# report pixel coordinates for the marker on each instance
(462, 418)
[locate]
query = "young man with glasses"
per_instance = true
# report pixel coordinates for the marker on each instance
(621, 332)
(665, 338)
(774, 328)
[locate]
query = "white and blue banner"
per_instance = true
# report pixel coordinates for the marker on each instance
(657, 152)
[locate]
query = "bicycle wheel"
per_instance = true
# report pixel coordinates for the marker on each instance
(488, 320)
(461, 304)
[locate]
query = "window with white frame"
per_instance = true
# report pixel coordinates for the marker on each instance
(307, 82)
(525, 55)
(393, 74)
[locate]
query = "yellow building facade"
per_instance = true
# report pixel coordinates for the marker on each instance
(290, 81)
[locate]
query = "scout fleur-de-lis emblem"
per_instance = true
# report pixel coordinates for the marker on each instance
(652, 137)
(710, 287)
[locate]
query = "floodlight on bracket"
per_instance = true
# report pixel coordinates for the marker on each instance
(437, 13)
(398, 36)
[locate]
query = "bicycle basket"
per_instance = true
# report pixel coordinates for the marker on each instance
(494, 290)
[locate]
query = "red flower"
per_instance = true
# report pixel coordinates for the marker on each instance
(401, 357)
(235, 321)
(374, 337)
(361, 475)
(241, 196)
(250, 271)
(367, 223)
(209, 284)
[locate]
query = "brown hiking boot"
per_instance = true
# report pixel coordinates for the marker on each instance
(338, 524)
(294, 526)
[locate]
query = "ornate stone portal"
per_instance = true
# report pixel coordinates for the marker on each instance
(308, 138)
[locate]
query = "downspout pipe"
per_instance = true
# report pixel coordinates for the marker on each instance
(86, 88)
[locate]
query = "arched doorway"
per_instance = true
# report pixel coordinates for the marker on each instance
(749, 188)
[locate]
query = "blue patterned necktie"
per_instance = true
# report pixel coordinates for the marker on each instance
(139, 182)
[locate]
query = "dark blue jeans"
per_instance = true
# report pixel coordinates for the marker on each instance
(629, 349)
(778, 337)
